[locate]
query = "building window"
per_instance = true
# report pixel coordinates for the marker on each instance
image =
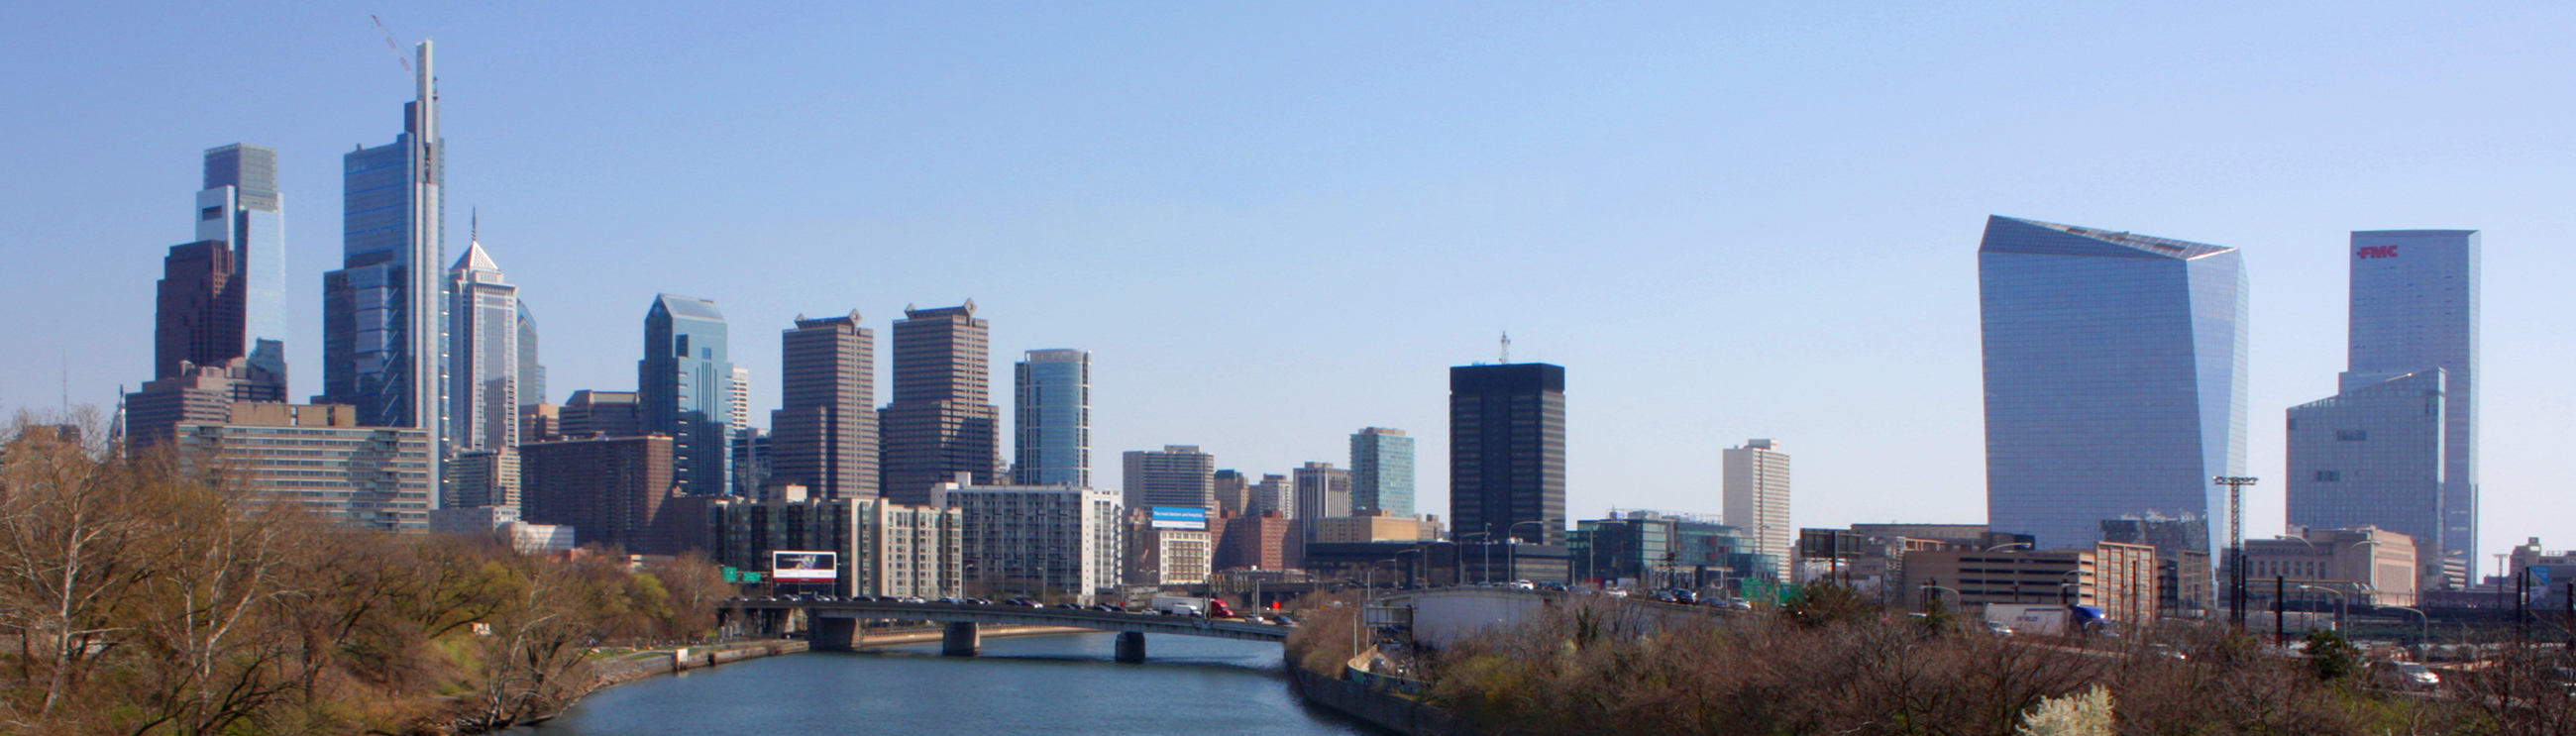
(210, 213)
(2351, 435)
(2329, 476)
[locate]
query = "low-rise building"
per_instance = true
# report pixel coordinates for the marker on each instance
(1260, 541)
(1373, 527)
(2370, 564)
(315, 457)
(1037, 540)
(882, 548)
(2120, 579)
(1666, 550)
(612, 489)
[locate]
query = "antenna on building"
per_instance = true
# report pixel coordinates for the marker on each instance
(474, 225)
(389, 43)
(1507, 347)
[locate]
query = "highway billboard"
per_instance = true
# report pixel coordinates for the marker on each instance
(1180, 517)
(804, 567)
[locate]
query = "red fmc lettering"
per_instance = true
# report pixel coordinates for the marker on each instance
(2376, 251)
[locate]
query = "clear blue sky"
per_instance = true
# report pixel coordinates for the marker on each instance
(1277, 224)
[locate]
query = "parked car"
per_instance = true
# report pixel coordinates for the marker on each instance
(1999, 628)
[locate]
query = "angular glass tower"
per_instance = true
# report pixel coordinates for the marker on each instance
(1382, 471)
(1053, 431)
(384, 316)
(532, 373)
(685, 383)
(240, 205)
(2374, 455)
(2415, 308)
(2115, 378)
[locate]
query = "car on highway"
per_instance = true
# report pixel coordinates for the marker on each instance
(1998, 628)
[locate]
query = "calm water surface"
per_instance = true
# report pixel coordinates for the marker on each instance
(1055, 685)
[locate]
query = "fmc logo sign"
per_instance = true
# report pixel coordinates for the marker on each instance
(2376, 251)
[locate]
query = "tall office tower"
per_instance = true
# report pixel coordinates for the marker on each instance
(1757, 499)
(240, 206)
(942, 420)
(2373, 456)
(532, 374)
(1507, 451)
(685, 387)
(1273, 494)
(1053, 403)
(197, 319)
(2115, 378)
(738, 401)
(1178, 476)
(1323, 492)
(1233, 492)
(824, 433)
(601, 414)
(482, 354)
(384, 311)
(2415, 308)
(1382, 471)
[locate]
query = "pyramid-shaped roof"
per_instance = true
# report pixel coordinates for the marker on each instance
(475, 259)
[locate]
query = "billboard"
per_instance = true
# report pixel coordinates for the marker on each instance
(795, 567)
(1180, 517)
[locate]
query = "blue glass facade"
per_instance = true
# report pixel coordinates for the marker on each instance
(2373, 455)
(1382, 471)
(685, 382)
(384, 348)
(240, 205)
(2115, 372)
(2415, 308)
(1052, 434)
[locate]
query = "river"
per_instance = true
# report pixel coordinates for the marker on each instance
(1054, 685)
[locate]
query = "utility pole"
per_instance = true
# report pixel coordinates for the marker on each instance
(2280, 618)
(2236, 544)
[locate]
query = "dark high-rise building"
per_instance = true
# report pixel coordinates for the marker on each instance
(1178, 476)
(1053, 406)
(600, 414)
(685, 389)
(199, 320)
(384, 347)
(1507, 451)
(240, 206)
(609, 490)
(942, 420)
(824, 434)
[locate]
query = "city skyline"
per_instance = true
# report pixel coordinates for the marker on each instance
(1642, 415)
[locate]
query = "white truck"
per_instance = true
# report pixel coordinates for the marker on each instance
(1180, 605)
(2050, 619)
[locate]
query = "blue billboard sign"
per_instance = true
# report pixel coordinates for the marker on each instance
(1179, 517)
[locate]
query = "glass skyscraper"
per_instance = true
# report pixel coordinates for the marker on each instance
(685, 383)
(240, 205)
(1382, 471)
(483, 354)
(2373, 455)
(2415, 308)
(1052, 434)
(384, 346)
(2114, 375)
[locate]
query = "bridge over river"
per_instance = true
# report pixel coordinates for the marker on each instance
(838, 624)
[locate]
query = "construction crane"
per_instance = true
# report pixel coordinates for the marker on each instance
(389, 44)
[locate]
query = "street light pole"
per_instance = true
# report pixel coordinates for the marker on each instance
(2236, 543)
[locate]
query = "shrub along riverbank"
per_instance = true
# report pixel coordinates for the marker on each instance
(144, 597)
(1836, 665)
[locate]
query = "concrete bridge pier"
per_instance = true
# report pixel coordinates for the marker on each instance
(962, 639)
(837, 634)
(1131, 646)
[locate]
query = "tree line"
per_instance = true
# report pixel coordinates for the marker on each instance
(147, 595)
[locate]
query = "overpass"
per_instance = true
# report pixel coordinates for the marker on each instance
(836, 624)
